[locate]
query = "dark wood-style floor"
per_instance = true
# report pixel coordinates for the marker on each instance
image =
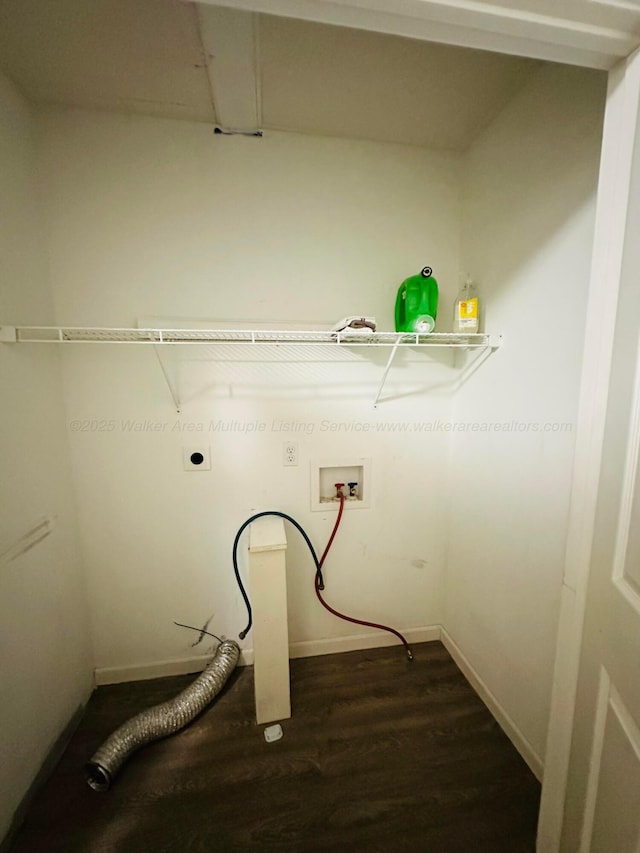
(379, 755)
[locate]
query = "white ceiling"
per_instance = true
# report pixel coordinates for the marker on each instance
(346, 82)
(140, 56)
(173, 59)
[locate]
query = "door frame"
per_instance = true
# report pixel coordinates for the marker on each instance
(576, 33)
(620, 127)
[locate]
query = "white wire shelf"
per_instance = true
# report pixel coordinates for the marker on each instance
(158, 337)
(246, 338)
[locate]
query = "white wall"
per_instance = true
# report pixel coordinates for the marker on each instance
(152, 218)
(159, 218)
(45, 656)
(529, 194)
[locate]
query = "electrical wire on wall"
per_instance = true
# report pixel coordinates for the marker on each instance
(318, 578)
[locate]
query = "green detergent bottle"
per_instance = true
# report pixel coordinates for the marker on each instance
(417, 303)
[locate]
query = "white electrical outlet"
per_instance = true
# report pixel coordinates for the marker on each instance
(290, 453)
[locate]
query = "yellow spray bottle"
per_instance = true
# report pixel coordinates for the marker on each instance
(466, 312)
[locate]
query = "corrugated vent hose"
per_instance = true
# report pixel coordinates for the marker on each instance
(161, 720)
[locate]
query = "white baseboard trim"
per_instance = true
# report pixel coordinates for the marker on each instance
(160, 669)
(306, 648)
(357, 642)
(514, 734)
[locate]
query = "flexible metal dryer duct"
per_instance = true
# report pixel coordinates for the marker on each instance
(161, 720)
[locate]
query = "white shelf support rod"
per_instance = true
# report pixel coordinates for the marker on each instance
(392, 355)
(173, 391)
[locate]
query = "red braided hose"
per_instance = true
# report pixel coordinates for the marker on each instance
(342, 615)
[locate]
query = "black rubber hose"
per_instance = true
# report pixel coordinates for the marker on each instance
(319, 578)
